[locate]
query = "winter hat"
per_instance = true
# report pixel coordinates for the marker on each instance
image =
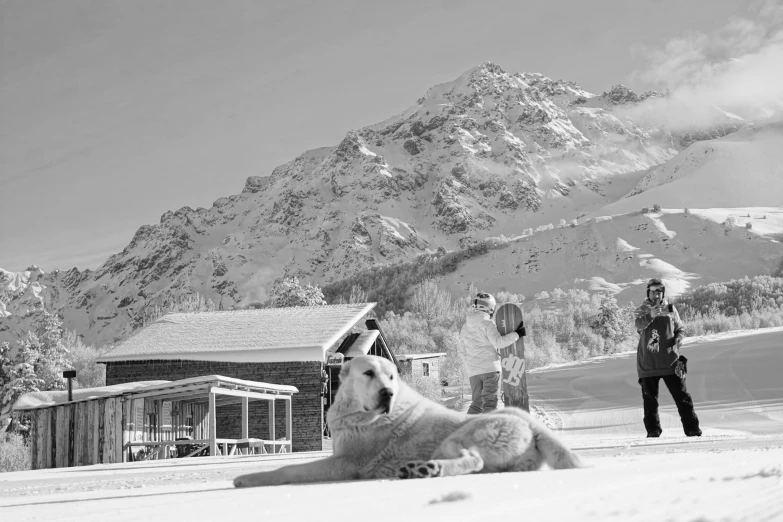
(484, 302)
(656, 282)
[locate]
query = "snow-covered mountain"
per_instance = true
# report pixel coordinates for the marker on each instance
(490, 153)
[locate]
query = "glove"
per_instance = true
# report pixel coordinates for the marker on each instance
(681, 367)
(520, 331)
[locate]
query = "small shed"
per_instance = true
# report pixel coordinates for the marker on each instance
(284, 346)
(425, 365)
(150, 420)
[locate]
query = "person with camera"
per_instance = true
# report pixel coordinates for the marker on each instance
(479, 349)
(658, 357)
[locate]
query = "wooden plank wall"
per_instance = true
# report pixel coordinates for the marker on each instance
(33, 437)
(79, 434)
(107, 452)
(61, 453)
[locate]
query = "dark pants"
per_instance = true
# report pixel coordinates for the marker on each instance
(484, 389)
(683, 400)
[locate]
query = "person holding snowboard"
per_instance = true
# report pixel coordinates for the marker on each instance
(658, 357)
(479, 349)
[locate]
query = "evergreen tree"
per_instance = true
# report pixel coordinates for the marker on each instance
(21, 375)
(5, 361)
(52, 355)
(609, 322)
(779, 270)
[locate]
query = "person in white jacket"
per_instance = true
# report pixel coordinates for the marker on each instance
(479, 349)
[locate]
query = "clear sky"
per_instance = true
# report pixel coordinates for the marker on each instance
(114, 111)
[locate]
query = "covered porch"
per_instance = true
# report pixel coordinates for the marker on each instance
(154, 420)
(180, 418)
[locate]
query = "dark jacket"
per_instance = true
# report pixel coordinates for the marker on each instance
(657, 352)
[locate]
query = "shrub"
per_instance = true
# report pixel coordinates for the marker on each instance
(427, 387)
(645, 210)
(288, 292)
(89, 374)
(15, 454)
(656, 208)
(749, 225)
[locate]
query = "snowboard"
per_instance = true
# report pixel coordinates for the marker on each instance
(513, 379)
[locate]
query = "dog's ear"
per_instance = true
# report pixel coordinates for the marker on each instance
(344, 370)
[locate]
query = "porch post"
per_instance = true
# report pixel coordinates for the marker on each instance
(212, 426)
(272, 423)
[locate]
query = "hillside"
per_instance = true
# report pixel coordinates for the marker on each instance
(619, 254)
(743, 169)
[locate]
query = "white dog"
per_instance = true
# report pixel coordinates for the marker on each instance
(382, 428)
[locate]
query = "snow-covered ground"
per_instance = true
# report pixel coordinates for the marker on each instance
(733, 472)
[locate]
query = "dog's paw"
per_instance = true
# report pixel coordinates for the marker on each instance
(242, 482)
(253, 480)
(420, 469)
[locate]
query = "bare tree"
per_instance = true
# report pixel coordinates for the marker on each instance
(358, 295)
(431, 303)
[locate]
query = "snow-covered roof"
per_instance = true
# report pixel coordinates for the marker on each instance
(45, 399)
(362, 344)
(413, 356)
(265, 335)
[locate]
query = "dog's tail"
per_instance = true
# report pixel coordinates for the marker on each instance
(556, 454)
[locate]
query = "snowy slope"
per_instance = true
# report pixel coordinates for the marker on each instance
(729, 474)
(733, 379)
(744, 169)
(619, 254)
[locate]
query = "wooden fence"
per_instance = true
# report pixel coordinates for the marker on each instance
(77, 434)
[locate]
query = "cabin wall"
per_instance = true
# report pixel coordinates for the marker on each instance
(77, 434)
(307, 422)
(434, 368)
(415, 367)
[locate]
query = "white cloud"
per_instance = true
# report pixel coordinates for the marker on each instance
(737, 68)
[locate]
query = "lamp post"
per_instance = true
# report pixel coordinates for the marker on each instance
(69, 374)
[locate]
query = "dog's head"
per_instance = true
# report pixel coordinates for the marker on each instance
(371, 382)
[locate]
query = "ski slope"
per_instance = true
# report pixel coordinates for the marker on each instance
(734, 472)
(735, 383)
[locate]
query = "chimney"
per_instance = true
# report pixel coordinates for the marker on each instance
(70, 375)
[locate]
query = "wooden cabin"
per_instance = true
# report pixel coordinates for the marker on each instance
(152, 420)
(285, 346)
(423, 365)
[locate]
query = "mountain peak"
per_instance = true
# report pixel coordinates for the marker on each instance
(486, 154)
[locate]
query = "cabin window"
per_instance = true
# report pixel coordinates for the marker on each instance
(425, 369)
